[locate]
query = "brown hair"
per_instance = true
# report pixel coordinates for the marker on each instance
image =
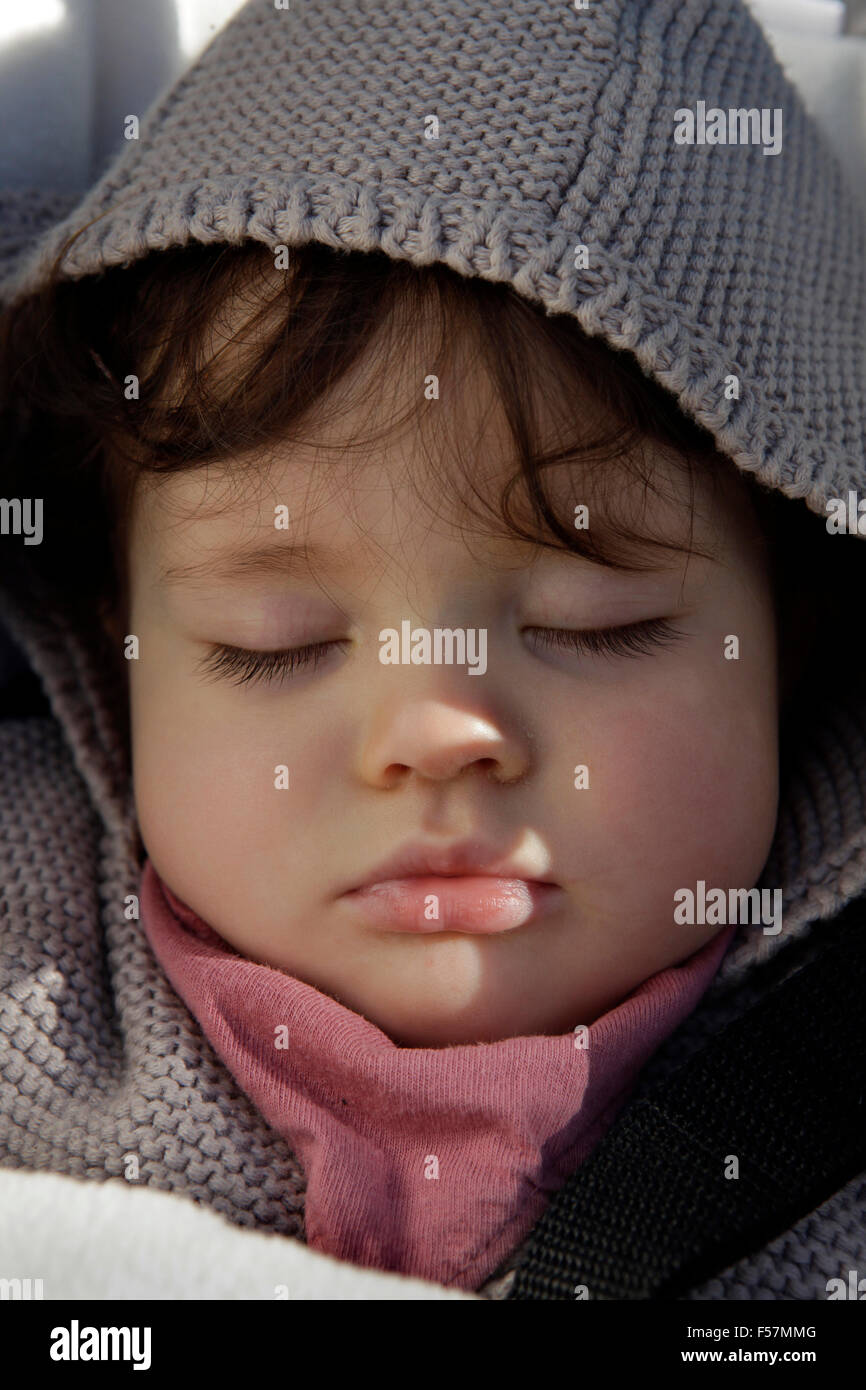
(73, 438)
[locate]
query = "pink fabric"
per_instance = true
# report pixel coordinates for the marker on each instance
(434, 1162)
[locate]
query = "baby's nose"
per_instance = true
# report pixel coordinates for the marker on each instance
(438, 740)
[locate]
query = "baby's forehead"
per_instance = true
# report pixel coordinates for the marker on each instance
(315, 488)
(352, 525)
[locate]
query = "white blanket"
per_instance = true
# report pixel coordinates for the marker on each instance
(104, 1240)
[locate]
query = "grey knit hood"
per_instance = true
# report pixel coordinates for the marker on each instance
(497, 140)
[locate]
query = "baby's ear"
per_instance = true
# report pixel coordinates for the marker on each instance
(109, 621)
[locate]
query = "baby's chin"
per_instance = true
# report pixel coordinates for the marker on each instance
(454, 1001)
(492, 1021)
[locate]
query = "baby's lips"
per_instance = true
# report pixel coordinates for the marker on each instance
(480, 905)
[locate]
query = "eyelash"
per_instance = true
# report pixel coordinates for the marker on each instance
(250, 666)
(635, 639)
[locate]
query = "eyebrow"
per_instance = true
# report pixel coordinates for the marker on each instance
(280, 559)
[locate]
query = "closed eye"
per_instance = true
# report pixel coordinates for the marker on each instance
(246, 667)
(635, 639)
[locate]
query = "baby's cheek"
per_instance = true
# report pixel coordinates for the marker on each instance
(696, 778)
(208, 781)
(179, 796)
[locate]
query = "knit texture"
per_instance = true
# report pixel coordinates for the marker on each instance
(554, 131)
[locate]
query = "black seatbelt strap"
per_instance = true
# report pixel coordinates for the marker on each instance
(651, 1213)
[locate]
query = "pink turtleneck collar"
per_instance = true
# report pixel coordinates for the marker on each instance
(434, 1162)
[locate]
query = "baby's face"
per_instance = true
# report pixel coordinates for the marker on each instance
(679, 743)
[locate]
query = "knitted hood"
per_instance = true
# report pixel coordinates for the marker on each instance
(497, 142)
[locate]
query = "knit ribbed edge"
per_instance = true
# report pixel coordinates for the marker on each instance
(763, 434)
